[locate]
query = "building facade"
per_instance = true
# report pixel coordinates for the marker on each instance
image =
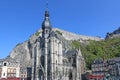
(9, 69)
(1, 63)
(114, 68)
(98, 70)
(25, 73)
(51, 60)
(12, 70)
(109, 69)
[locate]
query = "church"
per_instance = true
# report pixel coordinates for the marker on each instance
(51, 60)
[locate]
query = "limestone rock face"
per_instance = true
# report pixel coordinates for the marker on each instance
(22, 52)
(114, 34)
(72, 36)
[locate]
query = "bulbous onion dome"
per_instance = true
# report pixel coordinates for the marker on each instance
(46, 23)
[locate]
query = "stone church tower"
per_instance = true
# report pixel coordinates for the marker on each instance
(50, 61)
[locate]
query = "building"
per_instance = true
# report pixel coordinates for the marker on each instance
(114, 68)
(1, 62)
(51, 60)
(25, 73)
(12, 70)
(9, 69)
(98, 70)
(109, 69)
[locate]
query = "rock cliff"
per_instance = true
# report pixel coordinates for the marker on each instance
(72, 36)
(114, 34)
(22, 52)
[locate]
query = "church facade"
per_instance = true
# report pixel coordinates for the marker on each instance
(51, 60)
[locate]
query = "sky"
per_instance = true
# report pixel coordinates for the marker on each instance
(19, 19)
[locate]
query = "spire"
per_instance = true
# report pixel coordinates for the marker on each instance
(46, 23)
(46, 4)
(46, 12)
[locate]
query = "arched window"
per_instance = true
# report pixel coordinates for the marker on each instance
(63, 71)
(56, 70)
(56, 61)
(49, 53)
(42, 60)
(70, 75)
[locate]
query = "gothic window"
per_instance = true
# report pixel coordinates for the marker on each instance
(48, 73)
(63, 63)
(63, 71)
(56, 70)
(42, 49)
(55, 35)
(42, 60)
(56, 62)
(74, 62)
(49, 61)
(70, 76)
(66, 71)
(69, 59)
(49, 41)
(49, 53)
(56, 41)
(40, 72)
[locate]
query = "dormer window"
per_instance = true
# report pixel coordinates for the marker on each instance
(5, 64)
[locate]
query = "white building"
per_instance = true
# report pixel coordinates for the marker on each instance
(9, 68)
(51, 60)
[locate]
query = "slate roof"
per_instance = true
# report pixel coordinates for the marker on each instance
(98, 61)
(46, 23)
(1, 62)
(10, 60)
(117, 59)
(70, 53)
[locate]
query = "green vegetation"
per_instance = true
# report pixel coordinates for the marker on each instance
(18, 44)
(37, 33)
(58, 32)
(100, 49)
(75, 44)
